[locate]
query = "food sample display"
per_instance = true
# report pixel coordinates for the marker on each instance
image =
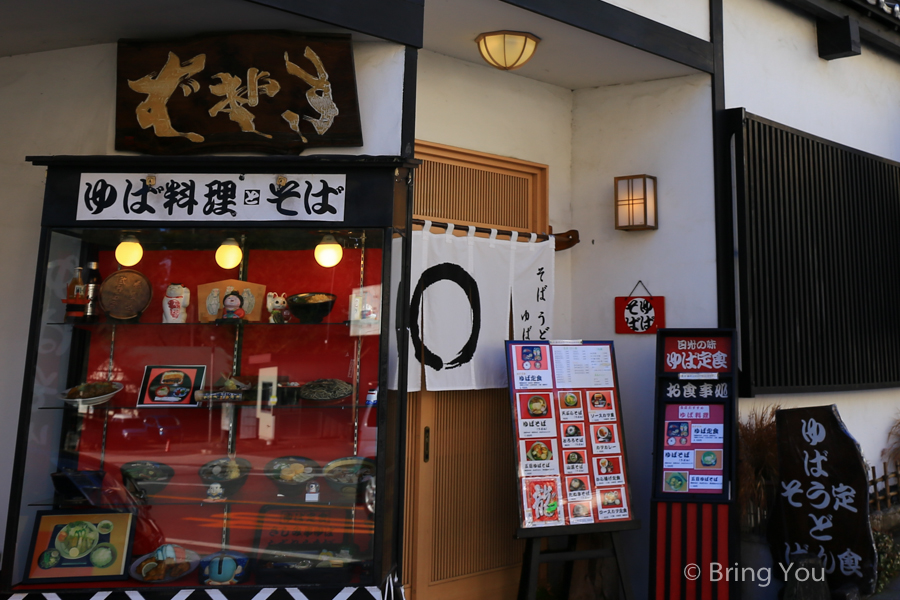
(205, 429)
(568, 429)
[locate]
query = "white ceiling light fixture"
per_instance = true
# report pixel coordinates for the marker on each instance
(507, 50)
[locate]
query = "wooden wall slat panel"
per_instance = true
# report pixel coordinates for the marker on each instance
(823, 254)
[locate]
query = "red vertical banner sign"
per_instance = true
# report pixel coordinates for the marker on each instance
(695, 454)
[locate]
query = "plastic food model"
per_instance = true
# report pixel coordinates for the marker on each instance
(278, 308)
(175, 303)
(168, 562)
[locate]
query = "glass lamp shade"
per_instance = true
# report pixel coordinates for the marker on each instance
(507, 50)
(229, 254)
(636, 202)
(129, 251)
(328, 253)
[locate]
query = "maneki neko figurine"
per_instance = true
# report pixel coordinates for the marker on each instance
(278, 308)
(175, 303)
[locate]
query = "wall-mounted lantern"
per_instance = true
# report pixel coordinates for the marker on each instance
(636, 202)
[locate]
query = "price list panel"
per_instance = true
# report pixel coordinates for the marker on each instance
(568, 429)
(694, 433)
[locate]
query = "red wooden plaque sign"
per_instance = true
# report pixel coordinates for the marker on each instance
(640, 314)
(276, 92)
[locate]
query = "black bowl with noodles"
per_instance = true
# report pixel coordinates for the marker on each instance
(311, 307)
(230, 473)
(150, 476)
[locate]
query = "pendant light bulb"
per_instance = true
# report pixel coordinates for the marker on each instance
(229, 254)
(129, 251)
(329, 252)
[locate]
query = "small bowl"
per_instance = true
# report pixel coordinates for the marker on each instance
(216, 471)
(279, 469)
(152, 477)
(311, 307)
(349, 475)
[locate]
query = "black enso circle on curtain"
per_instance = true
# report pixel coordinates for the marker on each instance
(459, 276)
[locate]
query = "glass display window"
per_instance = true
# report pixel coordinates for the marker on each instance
(199, 424)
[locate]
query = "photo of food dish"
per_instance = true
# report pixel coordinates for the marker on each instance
(598, 400)
(573, 431)
(104, 526)
(172, 377)
(49, 559)
(581, 510)
(570, 400)
(531, 353)
(709, 459)
(539, 451)
(170, 386)
(606, 466)
(77, 539)
(576, 485)
(537, 406)
(103, 556)
(610, 499)
(604, 434)
(675, 482)
(574, 458)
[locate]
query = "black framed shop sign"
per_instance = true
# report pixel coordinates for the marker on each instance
(272, 91)
(694, 432)
(570, 438)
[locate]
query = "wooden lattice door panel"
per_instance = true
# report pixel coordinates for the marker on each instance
(472, 188)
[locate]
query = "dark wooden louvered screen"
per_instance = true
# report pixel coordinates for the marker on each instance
(818, 269)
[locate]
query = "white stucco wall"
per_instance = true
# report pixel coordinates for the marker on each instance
(772, 68)
(480, 108)
(662, 128)
(690, 16)
(63, 102)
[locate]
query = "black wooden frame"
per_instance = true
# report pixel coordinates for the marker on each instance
(383, 189)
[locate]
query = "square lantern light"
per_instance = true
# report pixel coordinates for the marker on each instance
(636, 202)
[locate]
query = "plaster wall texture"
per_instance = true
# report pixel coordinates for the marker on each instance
(480, 108)
(690, 16)
(772, 68)
(63, 102)
(660, 128)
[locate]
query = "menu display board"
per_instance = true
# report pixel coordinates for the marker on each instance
(695, 396)
(570, 452)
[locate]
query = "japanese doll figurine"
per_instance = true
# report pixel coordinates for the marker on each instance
(175, 303)
(278, 309)
(233, 306)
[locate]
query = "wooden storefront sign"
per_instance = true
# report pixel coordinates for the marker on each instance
(276, 92)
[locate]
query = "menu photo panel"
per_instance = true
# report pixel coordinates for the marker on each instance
(568, 429)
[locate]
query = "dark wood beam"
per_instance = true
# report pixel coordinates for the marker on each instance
(628, 28)
(398, 21)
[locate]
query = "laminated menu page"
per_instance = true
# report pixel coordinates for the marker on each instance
(568, 429)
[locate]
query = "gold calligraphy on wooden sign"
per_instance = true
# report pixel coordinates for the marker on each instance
(275, 92)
